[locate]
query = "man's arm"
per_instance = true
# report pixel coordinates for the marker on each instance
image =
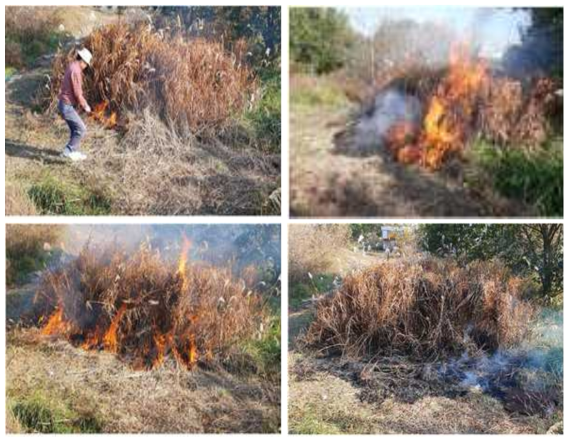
(78, 93)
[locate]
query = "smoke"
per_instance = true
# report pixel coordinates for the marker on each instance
(527, 378)
(234, 245)
(390, 107)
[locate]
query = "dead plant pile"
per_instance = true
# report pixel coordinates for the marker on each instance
(194, 84)
(425, 309)
(144, 309)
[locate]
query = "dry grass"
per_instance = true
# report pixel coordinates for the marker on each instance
(424, 309)
(157, 171)
(145, 309)
(195, 85)
(26, 246)
(166, 400)
(311, 248)
(17, 201)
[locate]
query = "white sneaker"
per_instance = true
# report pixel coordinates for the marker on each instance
(74, 155)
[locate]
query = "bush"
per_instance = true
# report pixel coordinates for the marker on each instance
(265, 118)
(28, 249)
(193, 84)
(30, 33)
(534, 177)
(423, 309)
(312, 248)
(144, 308)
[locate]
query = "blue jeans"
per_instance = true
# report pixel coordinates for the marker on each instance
(75, 123)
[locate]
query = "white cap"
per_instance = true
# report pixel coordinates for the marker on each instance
(85, 55)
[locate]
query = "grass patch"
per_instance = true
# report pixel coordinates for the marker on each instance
(54, 197)
(266, 351)
(39, 414)
(9, 71)
(318, 92)
(301, 291)
(25, 252)
(535, 177)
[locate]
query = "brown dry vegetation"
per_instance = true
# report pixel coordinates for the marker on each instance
(423, 309)
(84, 391)
(145, 310)
(311, 248)
(193, 84)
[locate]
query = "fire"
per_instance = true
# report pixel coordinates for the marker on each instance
(449, 113)
(56, 324)
(184, 256)
(99, 114)
(110, 337)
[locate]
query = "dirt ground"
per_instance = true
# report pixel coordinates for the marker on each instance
(214, 179)
(327, 179)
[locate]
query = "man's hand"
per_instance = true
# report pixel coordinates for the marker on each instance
(88, 109)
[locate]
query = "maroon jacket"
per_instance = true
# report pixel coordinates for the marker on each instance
(71, 89)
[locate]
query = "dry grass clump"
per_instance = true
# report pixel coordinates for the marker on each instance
(196, 84)
(17, 201)
(145, 309)
(180, 175)
(423, 309)
(311, 246)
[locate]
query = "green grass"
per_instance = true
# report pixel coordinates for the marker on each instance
(40, 414)
(534, 177)
(265, 352)
(301, 291)
(322, 93)
(54, 197)
(9, 71)
(265, 119)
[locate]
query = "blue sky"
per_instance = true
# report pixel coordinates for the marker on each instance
(494, 28)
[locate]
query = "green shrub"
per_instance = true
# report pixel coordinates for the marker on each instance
(265, 118)
(265, 352)
(534, 177)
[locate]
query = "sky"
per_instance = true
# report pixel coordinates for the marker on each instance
(495, 28)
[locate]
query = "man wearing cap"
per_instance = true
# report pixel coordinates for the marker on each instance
(70, 97)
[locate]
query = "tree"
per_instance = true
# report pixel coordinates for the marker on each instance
(525, 249)
(320, 38)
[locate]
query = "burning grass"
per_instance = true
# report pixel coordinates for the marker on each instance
(459, 103)
(195, 85)
(145, 309)
(423, 309)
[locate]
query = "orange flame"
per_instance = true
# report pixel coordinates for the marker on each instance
(183, 258)
(99, 114)
(110, 337)
(56, 324)
(448, 116)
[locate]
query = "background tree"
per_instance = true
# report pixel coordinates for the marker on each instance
(526, 249)
(319, 38)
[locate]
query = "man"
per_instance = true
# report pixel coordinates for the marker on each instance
(70, 97)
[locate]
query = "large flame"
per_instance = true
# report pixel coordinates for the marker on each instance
(110, 337)
(56, 324)
(448, 116)
(100, 114)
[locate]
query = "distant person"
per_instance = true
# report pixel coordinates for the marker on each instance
(71, 96)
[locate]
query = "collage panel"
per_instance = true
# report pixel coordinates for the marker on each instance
(426, 112)
(143, 328)
(425, 329)
(148, 110)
